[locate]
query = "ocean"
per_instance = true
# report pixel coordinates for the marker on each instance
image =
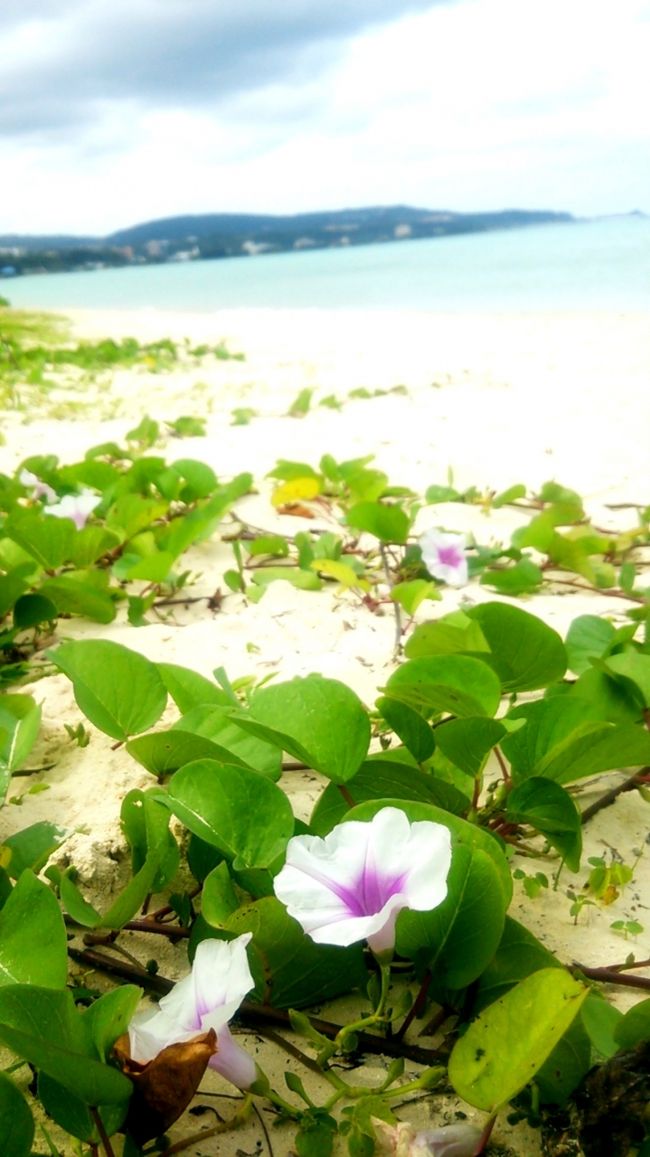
(599, 264)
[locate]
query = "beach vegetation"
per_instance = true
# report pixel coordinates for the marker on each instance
(459, 787)
(465, 751)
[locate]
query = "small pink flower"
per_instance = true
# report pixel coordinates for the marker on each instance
(353, 884)
(77, 507)
(444, 556)
(207, 998)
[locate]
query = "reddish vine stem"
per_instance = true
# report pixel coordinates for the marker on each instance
(613, 975)
(416, 1008)
(105, 1139)
(505, 772)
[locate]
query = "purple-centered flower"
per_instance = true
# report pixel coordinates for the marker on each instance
(75, 506)
(353, 884)
(444, 556)
(206, 998)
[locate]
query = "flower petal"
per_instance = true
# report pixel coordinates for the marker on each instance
(205, 999)
(351, 884)
(232, 1062)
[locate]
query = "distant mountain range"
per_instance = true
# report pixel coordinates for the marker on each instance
(218, 235)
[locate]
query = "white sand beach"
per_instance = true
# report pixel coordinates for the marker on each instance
(493, 399)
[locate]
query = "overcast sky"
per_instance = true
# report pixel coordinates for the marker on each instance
(119, 111)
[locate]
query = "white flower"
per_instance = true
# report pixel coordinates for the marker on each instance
(207, 998)
(352, 884)
(402, 1140)
(75, 506)
(39, 489)
(444, 556)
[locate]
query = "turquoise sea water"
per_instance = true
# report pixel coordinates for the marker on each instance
(603, 264)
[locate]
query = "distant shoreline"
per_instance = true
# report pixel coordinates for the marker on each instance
(219, 236)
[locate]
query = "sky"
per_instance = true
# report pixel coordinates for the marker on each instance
(114, 112)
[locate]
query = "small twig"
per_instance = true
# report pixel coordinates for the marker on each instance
(585, 589)
(610, 796)
(291, 1049)
(613, 976)
(264, 1129)
(172, 931)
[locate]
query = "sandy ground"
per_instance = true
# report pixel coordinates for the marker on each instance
(496, 399)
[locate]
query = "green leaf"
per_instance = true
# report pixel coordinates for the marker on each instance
(450, 635)
(468, 742)
(634, 1026)
(454, 683)
(32, 847)
(218, 898)
(47, 539)
(522, 578)
(387, 523)
(525, 653)
(519, 955)
(411, 728)
(188, 689)
(290, 970)
(132, 897)
(16, 1121)
(145, 823)
(20, 720)
(83, 592)
(562, 741)
(566, 1065)
(412, 593)
(380, 778)
(239, 812)
(232, 743)
(303, 580)
(319, 721)
(606, 698)
(43, 1026)
(91, 543)
(33, 941)
(602, 1022)
(518, 490)
(31, 610)
(12, 586)
(588, 636)
(507, 1044)
(459, 937)
(163, 752)
(550, 810)
(633, 670)
(109, 1017)
(119, 690)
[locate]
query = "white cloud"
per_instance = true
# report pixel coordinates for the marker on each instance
(471, 105)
